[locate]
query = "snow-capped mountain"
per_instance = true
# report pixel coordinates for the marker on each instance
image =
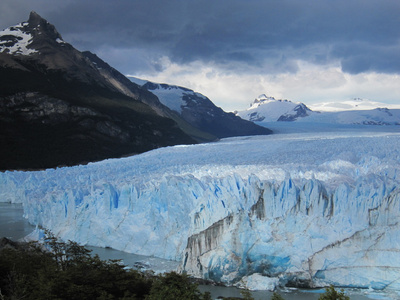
(356, 111)
(352, 104)
(269, 109)
(200, 111)
(308, 209)
(377, 116)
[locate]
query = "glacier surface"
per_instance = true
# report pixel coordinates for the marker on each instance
(304, 209)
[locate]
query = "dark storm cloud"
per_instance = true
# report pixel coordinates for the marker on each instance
(361, 57)
(364, 35)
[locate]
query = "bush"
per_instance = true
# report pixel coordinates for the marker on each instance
(69, 271)
(246, 294)
(66, 270)
(276, 296)
(173, 286)
(332, 294)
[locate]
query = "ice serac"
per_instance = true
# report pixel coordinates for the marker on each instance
(303, 236)
(285, 210)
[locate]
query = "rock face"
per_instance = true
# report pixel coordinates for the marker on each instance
(300, 111)
(127, 87)
(57, 107)
(200, 112)
(42, 131)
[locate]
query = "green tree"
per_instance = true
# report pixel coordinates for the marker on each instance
(65, 270)
(246, 294)
(276, 296)
(173, 286)
(207, 296)
(70, 272)
(332, 294)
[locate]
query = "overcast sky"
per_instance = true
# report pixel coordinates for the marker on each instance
(233, 50)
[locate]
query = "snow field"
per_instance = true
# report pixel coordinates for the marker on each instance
(19, 47)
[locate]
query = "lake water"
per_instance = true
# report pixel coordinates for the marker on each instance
(12, 223)
(14, 226)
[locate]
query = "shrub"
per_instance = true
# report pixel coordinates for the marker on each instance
(246, 294)
(332, 294)
(276, 296)
(68, 271)
(173, 286)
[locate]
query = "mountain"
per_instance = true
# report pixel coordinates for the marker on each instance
(377, 116)
(129, 88)
(200, 112)
(269, 109)
(304, 210)
(58, 106)
(351, 104)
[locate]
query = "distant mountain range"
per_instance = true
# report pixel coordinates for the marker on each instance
(60, 106)
(268, 109)
(351, 104)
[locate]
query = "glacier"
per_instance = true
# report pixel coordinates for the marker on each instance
(306, 209)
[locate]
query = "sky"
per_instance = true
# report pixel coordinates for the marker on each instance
(231, 51)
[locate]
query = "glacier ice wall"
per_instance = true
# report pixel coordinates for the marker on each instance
(303, 236)
(301, 210)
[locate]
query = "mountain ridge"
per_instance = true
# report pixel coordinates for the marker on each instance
(54, 100)
(128, 87)
(201, 112)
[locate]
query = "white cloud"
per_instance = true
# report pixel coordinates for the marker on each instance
(311, 84)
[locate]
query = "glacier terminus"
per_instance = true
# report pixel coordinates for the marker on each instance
(307, 209)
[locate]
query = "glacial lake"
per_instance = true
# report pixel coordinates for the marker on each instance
(14, 226)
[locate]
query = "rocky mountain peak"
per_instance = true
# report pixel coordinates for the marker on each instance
(40, 27)
(263, 98)
(35, 19)
(30, 37)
